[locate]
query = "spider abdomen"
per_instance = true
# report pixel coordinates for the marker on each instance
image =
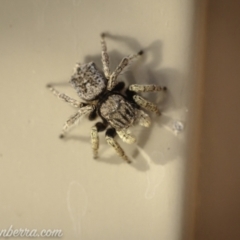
(117, 111)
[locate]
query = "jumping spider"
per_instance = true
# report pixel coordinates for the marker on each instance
(103, 98)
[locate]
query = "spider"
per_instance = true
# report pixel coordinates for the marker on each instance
(105, 97)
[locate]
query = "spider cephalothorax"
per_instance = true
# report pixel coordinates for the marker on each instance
(88, 81)
(104, 97)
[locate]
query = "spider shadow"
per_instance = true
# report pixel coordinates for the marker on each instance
(172, 79)
(128, 78)
(72, 137)
(147, 71)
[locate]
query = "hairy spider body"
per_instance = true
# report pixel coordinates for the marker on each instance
(104, 97)
(88, 81)
(117, 110)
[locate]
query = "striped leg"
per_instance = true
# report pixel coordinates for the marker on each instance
(126, 136)
(65, 98)
(143, 119)
(74, 119)
(142, 102)
(98, 127)
(105, 57)
(146, 88)
(121, 68)
(110, 134)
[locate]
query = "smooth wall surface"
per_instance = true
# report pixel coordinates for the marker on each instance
(47, 183)
(218, 214)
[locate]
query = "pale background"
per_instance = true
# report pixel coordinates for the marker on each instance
(46, 183)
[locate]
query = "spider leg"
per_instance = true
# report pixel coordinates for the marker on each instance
(126, 136)
(143, 119)
(146, 88)
(105, 57)
(110, 134)
(98, 127)
(65, 98)
(74, 119)
(142, 102)
(123, 65)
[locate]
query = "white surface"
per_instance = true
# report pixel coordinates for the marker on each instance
(47, 183)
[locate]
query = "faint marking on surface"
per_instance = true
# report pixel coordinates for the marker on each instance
(177, 126)
(41, 7)
(77, 202)
(76, 2)
(155, 175)
(173, 125)
(75, 18)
